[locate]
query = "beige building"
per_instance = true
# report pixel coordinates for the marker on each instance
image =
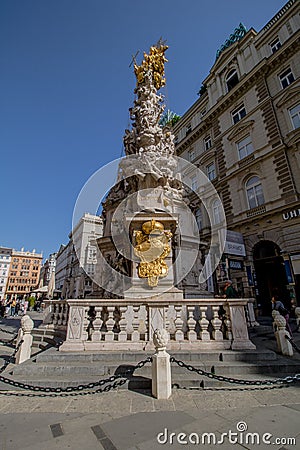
(76, 261)
(244, 133)
(24, 273)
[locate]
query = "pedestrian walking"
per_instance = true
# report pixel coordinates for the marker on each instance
(277, 305)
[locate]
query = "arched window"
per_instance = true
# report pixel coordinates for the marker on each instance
(232, 79)
(217, 212)
(254, 192)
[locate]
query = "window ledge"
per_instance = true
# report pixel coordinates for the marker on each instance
(256, 211)
(248, 159)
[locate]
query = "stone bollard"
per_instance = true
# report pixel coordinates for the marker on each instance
(161, 367)
(24, 334)
(297, 314)
(284, 346)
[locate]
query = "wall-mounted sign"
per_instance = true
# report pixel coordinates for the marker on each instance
(291, 214)
(236, 264)
(234, 244)
(288, 271)
(250, 275)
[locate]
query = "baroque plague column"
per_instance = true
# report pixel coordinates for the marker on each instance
(149, 244)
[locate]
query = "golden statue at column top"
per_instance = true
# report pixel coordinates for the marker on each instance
(155, 63)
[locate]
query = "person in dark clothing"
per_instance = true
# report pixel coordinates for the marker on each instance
(279, 306)
(229, 290)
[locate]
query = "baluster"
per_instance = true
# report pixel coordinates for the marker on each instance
(55, 314)
(109, 335)
(192, 335)
(96, 336)
(66, 314)
(227, 322)
(204, 324)
(63, 314)
(135, 324)
(143, 322)
(216, 323)
(122, 336)
(179, 335)
(60, 315)
(168, 320)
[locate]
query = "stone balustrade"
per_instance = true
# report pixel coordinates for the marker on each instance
(56, 313)
(129, 324)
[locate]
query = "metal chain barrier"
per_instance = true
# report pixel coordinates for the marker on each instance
(10, 342)
(114, 380)
(10, 359)
(277, 381)
(293, 343)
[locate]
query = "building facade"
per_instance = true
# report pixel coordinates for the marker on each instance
(243, 132)
(76, 261)
(47, 269)
(5, 260)
(24, 273)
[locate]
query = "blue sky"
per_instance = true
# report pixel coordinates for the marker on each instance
(66, 86)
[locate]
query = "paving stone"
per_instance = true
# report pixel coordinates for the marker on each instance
(224, 400)
(20, 431)
(134, 430)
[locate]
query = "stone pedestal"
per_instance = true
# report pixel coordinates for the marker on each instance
(75, 338)
(24, 352)
(284, 346)
(161, 367)
(239, 329)
(281, 334)
(161, 375)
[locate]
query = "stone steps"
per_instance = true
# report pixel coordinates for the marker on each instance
(53, 368)
(82, 370)
(225, 355)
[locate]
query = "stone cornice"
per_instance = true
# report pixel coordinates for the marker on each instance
(241, 128)
(293, 137)
(281, 16)
(288, 95)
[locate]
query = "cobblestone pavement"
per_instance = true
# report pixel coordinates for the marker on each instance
(131, 420)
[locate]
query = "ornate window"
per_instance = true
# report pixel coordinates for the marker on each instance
(255, 195)
(211, 171)
(207, 143)
(238, 113)
(244, 147)
(295, 116)
(275, 45)
(286, 78)
(192, 154)
(232, 79)
(188, 129)
(217, 212)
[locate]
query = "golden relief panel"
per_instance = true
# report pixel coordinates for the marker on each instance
(152, 247)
